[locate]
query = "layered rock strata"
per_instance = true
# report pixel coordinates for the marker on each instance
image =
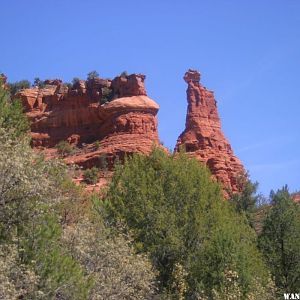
(116, 114)
(203, 137)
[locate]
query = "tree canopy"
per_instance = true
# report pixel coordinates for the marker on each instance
(177, 214)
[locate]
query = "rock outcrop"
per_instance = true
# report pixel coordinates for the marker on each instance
(106, 119)
(117, 115)
(296, 197)
(203, 137)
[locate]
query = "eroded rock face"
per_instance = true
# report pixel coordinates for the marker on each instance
(296, 197)
(126, 125)
(132, 85)
(203, 137)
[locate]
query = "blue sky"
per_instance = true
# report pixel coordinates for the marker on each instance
(248, 52)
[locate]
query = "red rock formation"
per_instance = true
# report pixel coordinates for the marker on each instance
(131, 85)
(203, 137)
(296, 197)
(125, 125)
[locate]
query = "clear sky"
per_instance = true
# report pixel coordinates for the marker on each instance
(248, 52)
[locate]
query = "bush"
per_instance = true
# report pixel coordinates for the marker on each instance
(29, 226)
(91, 176)
(38, 82)
(92, 75)
(107, 95)
(64, 148)
(177, 214)
(103, 162)
(124, 74)
(118, 273)
(75, 80)
(18, 85)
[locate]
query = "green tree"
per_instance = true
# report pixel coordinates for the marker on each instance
(38, 82)
(124, 74)
(280, 241)
(177, 214)
(75, 80)
(247, 200)
(12, 117)
(92, 75)
(18, 85)
(107, 95)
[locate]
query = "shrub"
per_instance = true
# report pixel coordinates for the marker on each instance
(75, 80)
(64, 148)
(38, 82)
(118, 273)
(177, 214)
(91, 176)
(29, 226)
(124, 74)
(92, 75)
(18, 85)
(103, 162)
(107, 95)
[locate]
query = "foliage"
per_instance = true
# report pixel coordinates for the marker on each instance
(11, 114)
(280, 241)
(92, 75)
(75, 80)
(16, 280)
(15, 87)
(246, 201)
(107, 95)
(103, 162)
(124, 74)
(91, 176)
(177, 214)
(68, 85)
(232, 291)
(64, 148)
(29, 193)
(117, 271)
(38, 82)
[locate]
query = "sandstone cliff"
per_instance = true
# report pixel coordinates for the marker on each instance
(203, 137)
(116, 114)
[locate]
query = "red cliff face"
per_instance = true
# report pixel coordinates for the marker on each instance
(83, 114)
(203, 137)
